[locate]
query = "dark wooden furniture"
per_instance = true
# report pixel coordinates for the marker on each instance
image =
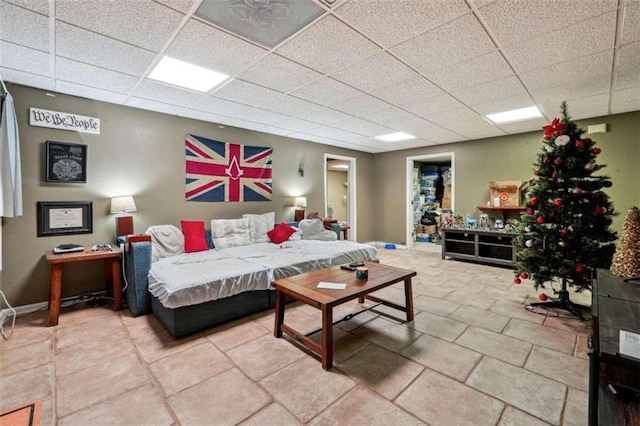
(111, 271)
(615, 306)
(479, 246)
(304, 288)
(504, 211)
(345, 232)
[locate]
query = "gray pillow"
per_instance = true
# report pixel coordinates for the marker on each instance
(313, 229)
(230, 233)
(166, 240)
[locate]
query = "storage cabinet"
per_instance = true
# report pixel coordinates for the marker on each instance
(479, 246)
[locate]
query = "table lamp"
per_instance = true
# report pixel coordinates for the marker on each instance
(300, 203)
(120, 205)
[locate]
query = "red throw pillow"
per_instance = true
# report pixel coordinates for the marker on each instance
(280, 233)
(194, 236)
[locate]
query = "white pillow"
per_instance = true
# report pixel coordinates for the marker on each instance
(296, 236)
(313, 229)
(259, 225)
(230, 233)
(166, 240)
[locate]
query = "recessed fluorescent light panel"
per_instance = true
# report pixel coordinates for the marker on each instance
(184, 74)
(515, 115)
(395, 137)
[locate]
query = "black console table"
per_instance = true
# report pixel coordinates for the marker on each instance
(615, 306)
(476, 245)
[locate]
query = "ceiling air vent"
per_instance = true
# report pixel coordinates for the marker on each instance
(265, 22)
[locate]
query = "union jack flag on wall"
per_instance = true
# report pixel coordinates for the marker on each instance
(219, 171)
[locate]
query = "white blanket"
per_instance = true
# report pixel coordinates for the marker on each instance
(192, 278)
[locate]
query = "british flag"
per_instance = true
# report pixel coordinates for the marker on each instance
(219, 171)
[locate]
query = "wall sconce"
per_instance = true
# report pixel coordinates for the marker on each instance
(300, 203)
(120, 205)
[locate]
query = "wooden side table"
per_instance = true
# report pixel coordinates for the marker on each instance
(345, 232)
(111, 272)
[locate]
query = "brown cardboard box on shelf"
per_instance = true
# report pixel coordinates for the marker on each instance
(507, 193)
(446, 197)
(425, 229)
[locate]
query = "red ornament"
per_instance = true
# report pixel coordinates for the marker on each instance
(517, 281)
(579, 144)
(543, 297)
(558, 161)
(524, 275)
(579, 269)
(533, 201)
(564, 232)
(596, 150)
(540, 220)
(555, 127)
(600, 210)
(553, 179)
(557, 202)
(529, 211)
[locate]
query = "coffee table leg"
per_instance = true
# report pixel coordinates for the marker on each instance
(279, 314)
(408, 296)
(327, 337)
(55, 291)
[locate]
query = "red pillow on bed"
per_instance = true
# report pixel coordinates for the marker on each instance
(194, 236)
(280, 233)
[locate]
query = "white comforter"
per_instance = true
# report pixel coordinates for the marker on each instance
(192, 278)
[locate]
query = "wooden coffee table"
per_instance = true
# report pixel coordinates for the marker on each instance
(304, 288)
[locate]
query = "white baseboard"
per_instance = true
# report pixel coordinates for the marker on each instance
(34, 307)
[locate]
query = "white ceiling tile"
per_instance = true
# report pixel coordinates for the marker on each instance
(279, 74)
(151, 105)
(325, 116)
(142, 23)
(219, 106)
(23, 27)
(24, 59)
(428, 131)
(574, 90)
(104, 52)
(328, 46)
(627, 79)
(203, 45)
(326, 92)
(525, 126)
(389, 117)
(416, 143)
(506, 104)
(480, 130)
(88, 75)
(247, 93)
(180, 5)
(26, 79)
(450, 44)
(473, 72)
(39, 6)
(579, 108)
(408, 91)
(337, 134)
(626, 98)
(241, 124)
(150, 89)
(574, 41)
(629, 58)
(517, 21)
(456, 117)
(630, 27)
(265, 117)
(277, 131)
(361, 105)
(491, 91)
(288, 105)
(569, 72)
(390, 22)
(90, 92)
(362, 127)
(296, 125)
(425, 107)
(374, 72)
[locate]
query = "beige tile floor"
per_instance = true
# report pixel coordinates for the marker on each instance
(472, 356)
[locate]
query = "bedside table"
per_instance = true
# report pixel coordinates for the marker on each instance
(111, 272)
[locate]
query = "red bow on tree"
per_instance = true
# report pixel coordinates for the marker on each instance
(555, 127)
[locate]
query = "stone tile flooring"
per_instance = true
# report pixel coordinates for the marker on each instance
(473, 355)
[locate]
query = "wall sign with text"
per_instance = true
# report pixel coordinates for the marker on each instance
(65, 121)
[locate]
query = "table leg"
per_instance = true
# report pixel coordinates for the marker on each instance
(327, 337)
(116, 282)
(408, 296)
(55, 290)
(279, 314)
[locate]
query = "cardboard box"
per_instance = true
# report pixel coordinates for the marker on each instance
(508, 192)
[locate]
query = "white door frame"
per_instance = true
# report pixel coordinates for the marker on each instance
(351, 179)
(409, 185)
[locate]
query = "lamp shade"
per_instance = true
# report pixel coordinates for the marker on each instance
(300, 202)
(123, 204)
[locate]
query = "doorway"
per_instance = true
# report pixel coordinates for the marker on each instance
(413, 196)
(340, 192)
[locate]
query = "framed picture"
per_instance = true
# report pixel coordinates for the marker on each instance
(66, 162)
(64, 217)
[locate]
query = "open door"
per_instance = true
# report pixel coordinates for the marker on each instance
(340, 192)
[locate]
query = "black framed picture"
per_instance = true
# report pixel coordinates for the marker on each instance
(64, 217)
(66, 162)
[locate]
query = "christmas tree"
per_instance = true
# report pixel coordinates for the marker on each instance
(626, 260)
(565, 231)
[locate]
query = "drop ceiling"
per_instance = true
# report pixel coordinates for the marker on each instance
(359, 69)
